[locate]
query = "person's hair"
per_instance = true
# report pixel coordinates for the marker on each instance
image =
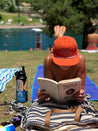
(92, 29)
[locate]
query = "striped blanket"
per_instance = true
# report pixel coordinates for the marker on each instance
(5, 76)
(35, 117)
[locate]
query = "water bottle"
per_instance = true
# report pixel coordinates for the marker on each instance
(21, 86)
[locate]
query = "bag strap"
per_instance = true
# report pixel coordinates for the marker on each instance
(78, 113)
(77, 109)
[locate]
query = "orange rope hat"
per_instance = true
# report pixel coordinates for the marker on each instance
(65, 51)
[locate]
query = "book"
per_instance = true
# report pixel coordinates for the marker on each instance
(61, 91)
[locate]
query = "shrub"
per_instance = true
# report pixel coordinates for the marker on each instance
(11, 8)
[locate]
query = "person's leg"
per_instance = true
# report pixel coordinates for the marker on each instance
(56, 31)
(62, 31)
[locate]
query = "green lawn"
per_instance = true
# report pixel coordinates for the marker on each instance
(14, 17)
(31, 59)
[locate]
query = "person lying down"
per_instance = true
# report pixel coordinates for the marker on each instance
(64, 62)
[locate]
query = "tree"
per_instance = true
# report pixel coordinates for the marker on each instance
(2, 4)
(7, 5)
(75, 14)
(89, 9)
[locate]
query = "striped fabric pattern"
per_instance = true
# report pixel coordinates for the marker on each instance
(6, 74)
(36, 117)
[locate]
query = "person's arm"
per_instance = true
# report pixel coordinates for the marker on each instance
(47, 67)
(82, 74)
(82, 71)
(42, 96)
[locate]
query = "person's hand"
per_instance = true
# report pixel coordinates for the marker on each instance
(42, 96)
(79, 96)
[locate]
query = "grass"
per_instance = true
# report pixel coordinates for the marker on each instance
(92, 66)
(31, 59)
(14, 17)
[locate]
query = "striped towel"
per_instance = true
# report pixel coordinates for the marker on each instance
(5, 76)
(35, 117)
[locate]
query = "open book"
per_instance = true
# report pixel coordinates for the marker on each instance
(61, 91)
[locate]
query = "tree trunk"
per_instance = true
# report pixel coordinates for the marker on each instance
(85, 33)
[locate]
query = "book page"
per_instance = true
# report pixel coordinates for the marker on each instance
(50, 87)
(67, 88)
(70, 80)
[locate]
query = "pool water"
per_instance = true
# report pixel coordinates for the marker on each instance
(23, 39)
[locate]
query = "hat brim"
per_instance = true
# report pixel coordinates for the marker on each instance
(66, 62)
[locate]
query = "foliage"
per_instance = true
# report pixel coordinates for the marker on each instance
(27, 1)
(2, 4)
(11, 8)
(75, 14)
(8, 5)
(72, 13)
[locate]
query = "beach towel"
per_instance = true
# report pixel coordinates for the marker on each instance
(90, 51)
(5, 76)
(90, 87)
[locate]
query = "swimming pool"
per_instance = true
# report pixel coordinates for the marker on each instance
(23, 39)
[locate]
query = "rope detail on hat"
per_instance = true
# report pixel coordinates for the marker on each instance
(65, 57)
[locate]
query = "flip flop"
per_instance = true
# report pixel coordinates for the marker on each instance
(62, 31)
(56, 30)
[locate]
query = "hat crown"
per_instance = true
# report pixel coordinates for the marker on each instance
(65, 46)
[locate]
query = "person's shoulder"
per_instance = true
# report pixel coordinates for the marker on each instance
(48, 61)
(96, 35)
(81, 57)
(48, 57)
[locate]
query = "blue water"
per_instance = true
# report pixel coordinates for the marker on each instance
(23, 39)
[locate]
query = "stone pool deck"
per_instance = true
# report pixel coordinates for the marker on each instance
(11, 26)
